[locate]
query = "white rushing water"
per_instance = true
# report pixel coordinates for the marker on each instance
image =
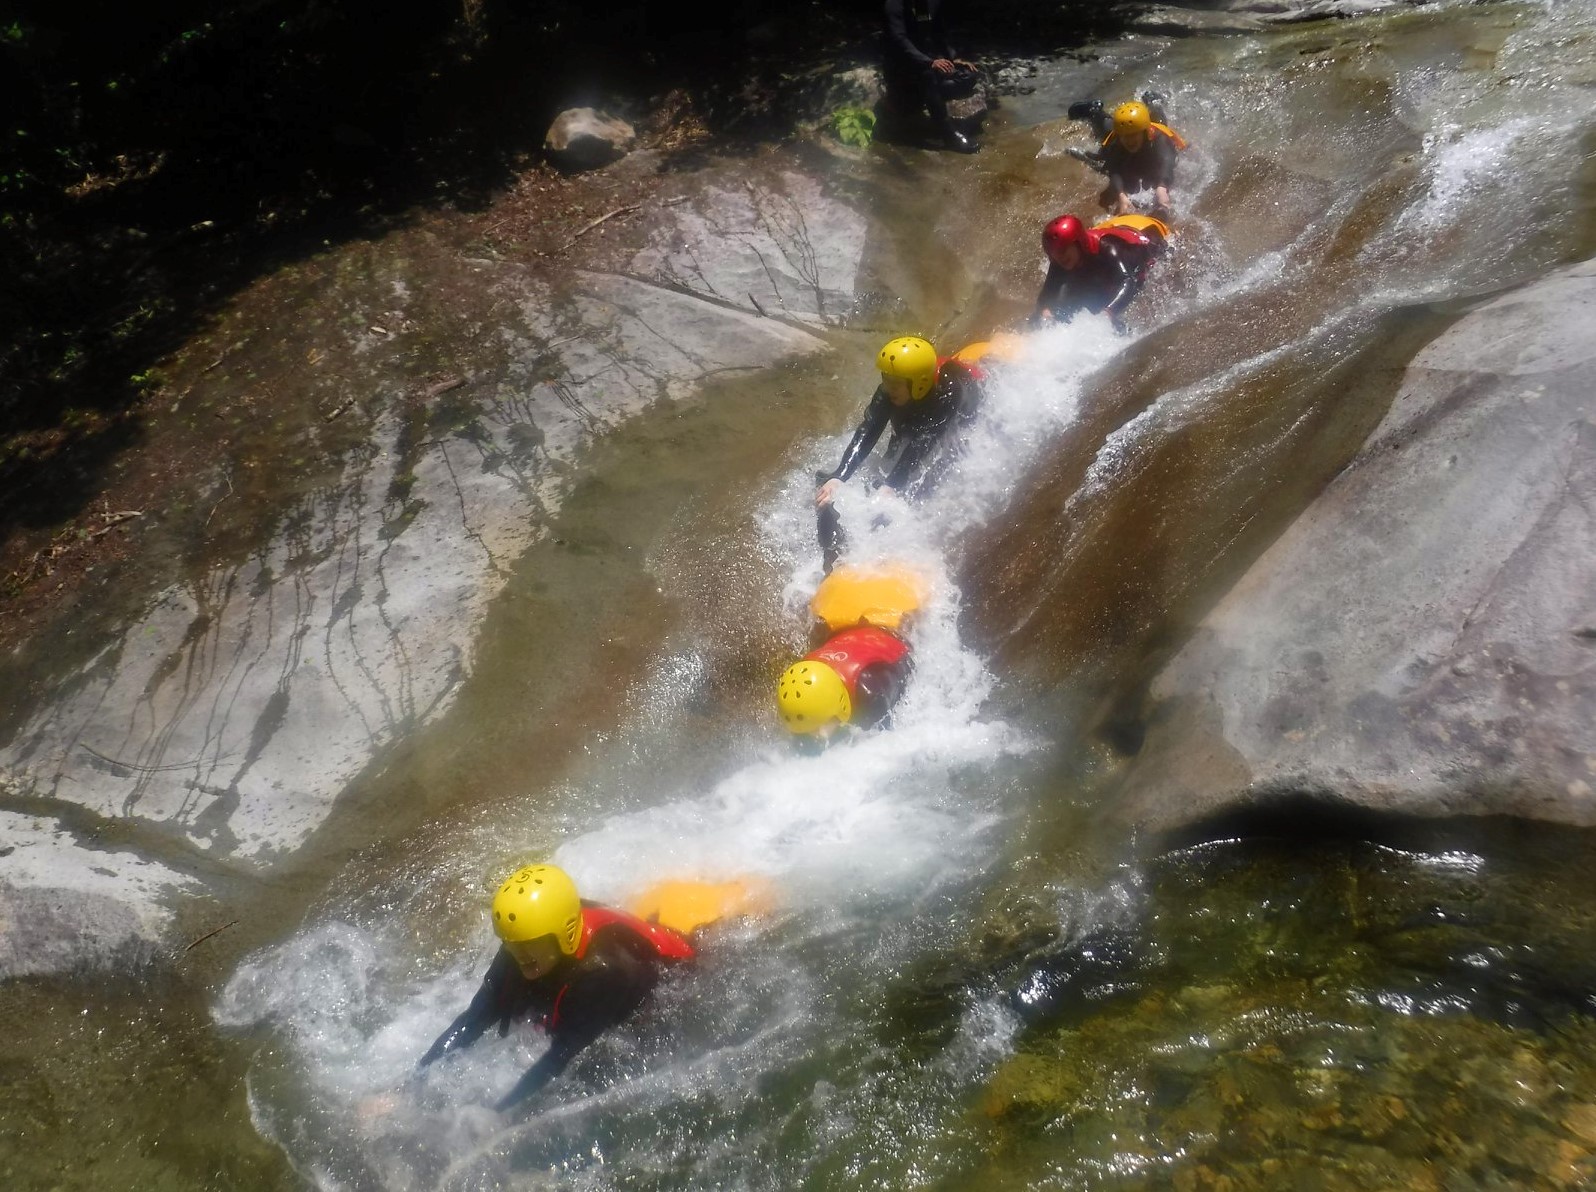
(854, 839)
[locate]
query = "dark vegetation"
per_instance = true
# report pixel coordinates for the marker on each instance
(157, 157)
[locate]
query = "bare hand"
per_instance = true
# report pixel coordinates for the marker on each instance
(967, 65)
(1123, 205)
(377, 1105)
(826, 491)
(942, 66)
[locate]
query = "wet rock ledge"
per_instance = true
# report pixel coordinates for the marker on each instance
(211, 740)
(1423, 639)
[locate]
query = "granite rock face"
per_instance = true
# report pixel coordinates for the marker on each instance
(226, 721)
(1423, 639)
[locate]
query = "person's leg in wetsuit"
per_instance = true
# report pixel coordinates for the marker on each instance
(912, 89)
(937, 105)
(828, 529)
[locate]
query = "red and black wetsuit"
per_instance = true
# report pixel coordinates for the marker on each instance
(1113, 267)
(874, 665)
(617, 963)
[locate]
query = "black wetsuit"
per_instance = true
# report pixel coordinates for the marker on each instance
(1150, 166)
(577, 1002)
(876, 690)
(914, 37)
(920, 425)
(1105, 281)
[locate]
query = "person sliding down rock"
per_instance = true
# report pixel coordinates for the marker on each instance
(926, 401)
(1098, 270)
(1138, 152)
(922, 71)
(861, 662)
(577, 968)
(858, 670)
(853, 679)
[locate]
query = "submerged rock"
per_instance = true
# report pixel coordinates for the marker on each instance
(1416, 642)
(584, 139)
(1171, 21)
(783, 248)
(1249, 16)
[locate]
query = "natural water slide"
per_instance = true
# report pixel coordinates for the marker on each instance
(1043, 932)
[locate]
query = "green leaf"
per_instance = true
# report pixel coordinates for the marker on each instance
(854, 126)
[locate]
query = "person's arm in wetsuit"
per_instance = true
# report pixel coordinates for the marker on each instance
(612, 982)
(1049, 303)
(937, 35)
(1164, 156)
(1126, 264)
(875, 419)
(490, 1004)
(963, 399)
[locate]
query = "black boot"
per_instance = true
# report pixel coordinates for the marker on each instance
(1086, 109)
(828, 529)
(959, 142)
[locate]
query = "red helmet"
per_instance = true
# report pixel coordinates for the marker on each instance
(1062, 232)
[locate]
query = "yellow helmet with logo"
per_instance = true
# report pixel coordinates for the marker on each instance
(1132, 118)
(913, 359)
(537, 901)
(811, 695)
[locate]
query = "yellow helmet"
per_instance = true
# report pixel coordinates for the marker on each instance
(1132, 118)
(911, 358)
(811, 695)
(537, 901)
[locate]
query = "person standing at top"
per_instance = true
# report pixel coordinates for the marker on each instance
(861, 661)
(922, 70)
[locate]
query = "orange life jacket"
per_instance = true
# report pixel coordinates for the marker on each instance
(1180, 141)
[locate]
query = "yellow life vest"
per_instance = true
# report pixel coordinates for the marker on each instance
(881, 596)
(1004, 346)
(685, 906)
(1180, 141)
(1137, 223)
